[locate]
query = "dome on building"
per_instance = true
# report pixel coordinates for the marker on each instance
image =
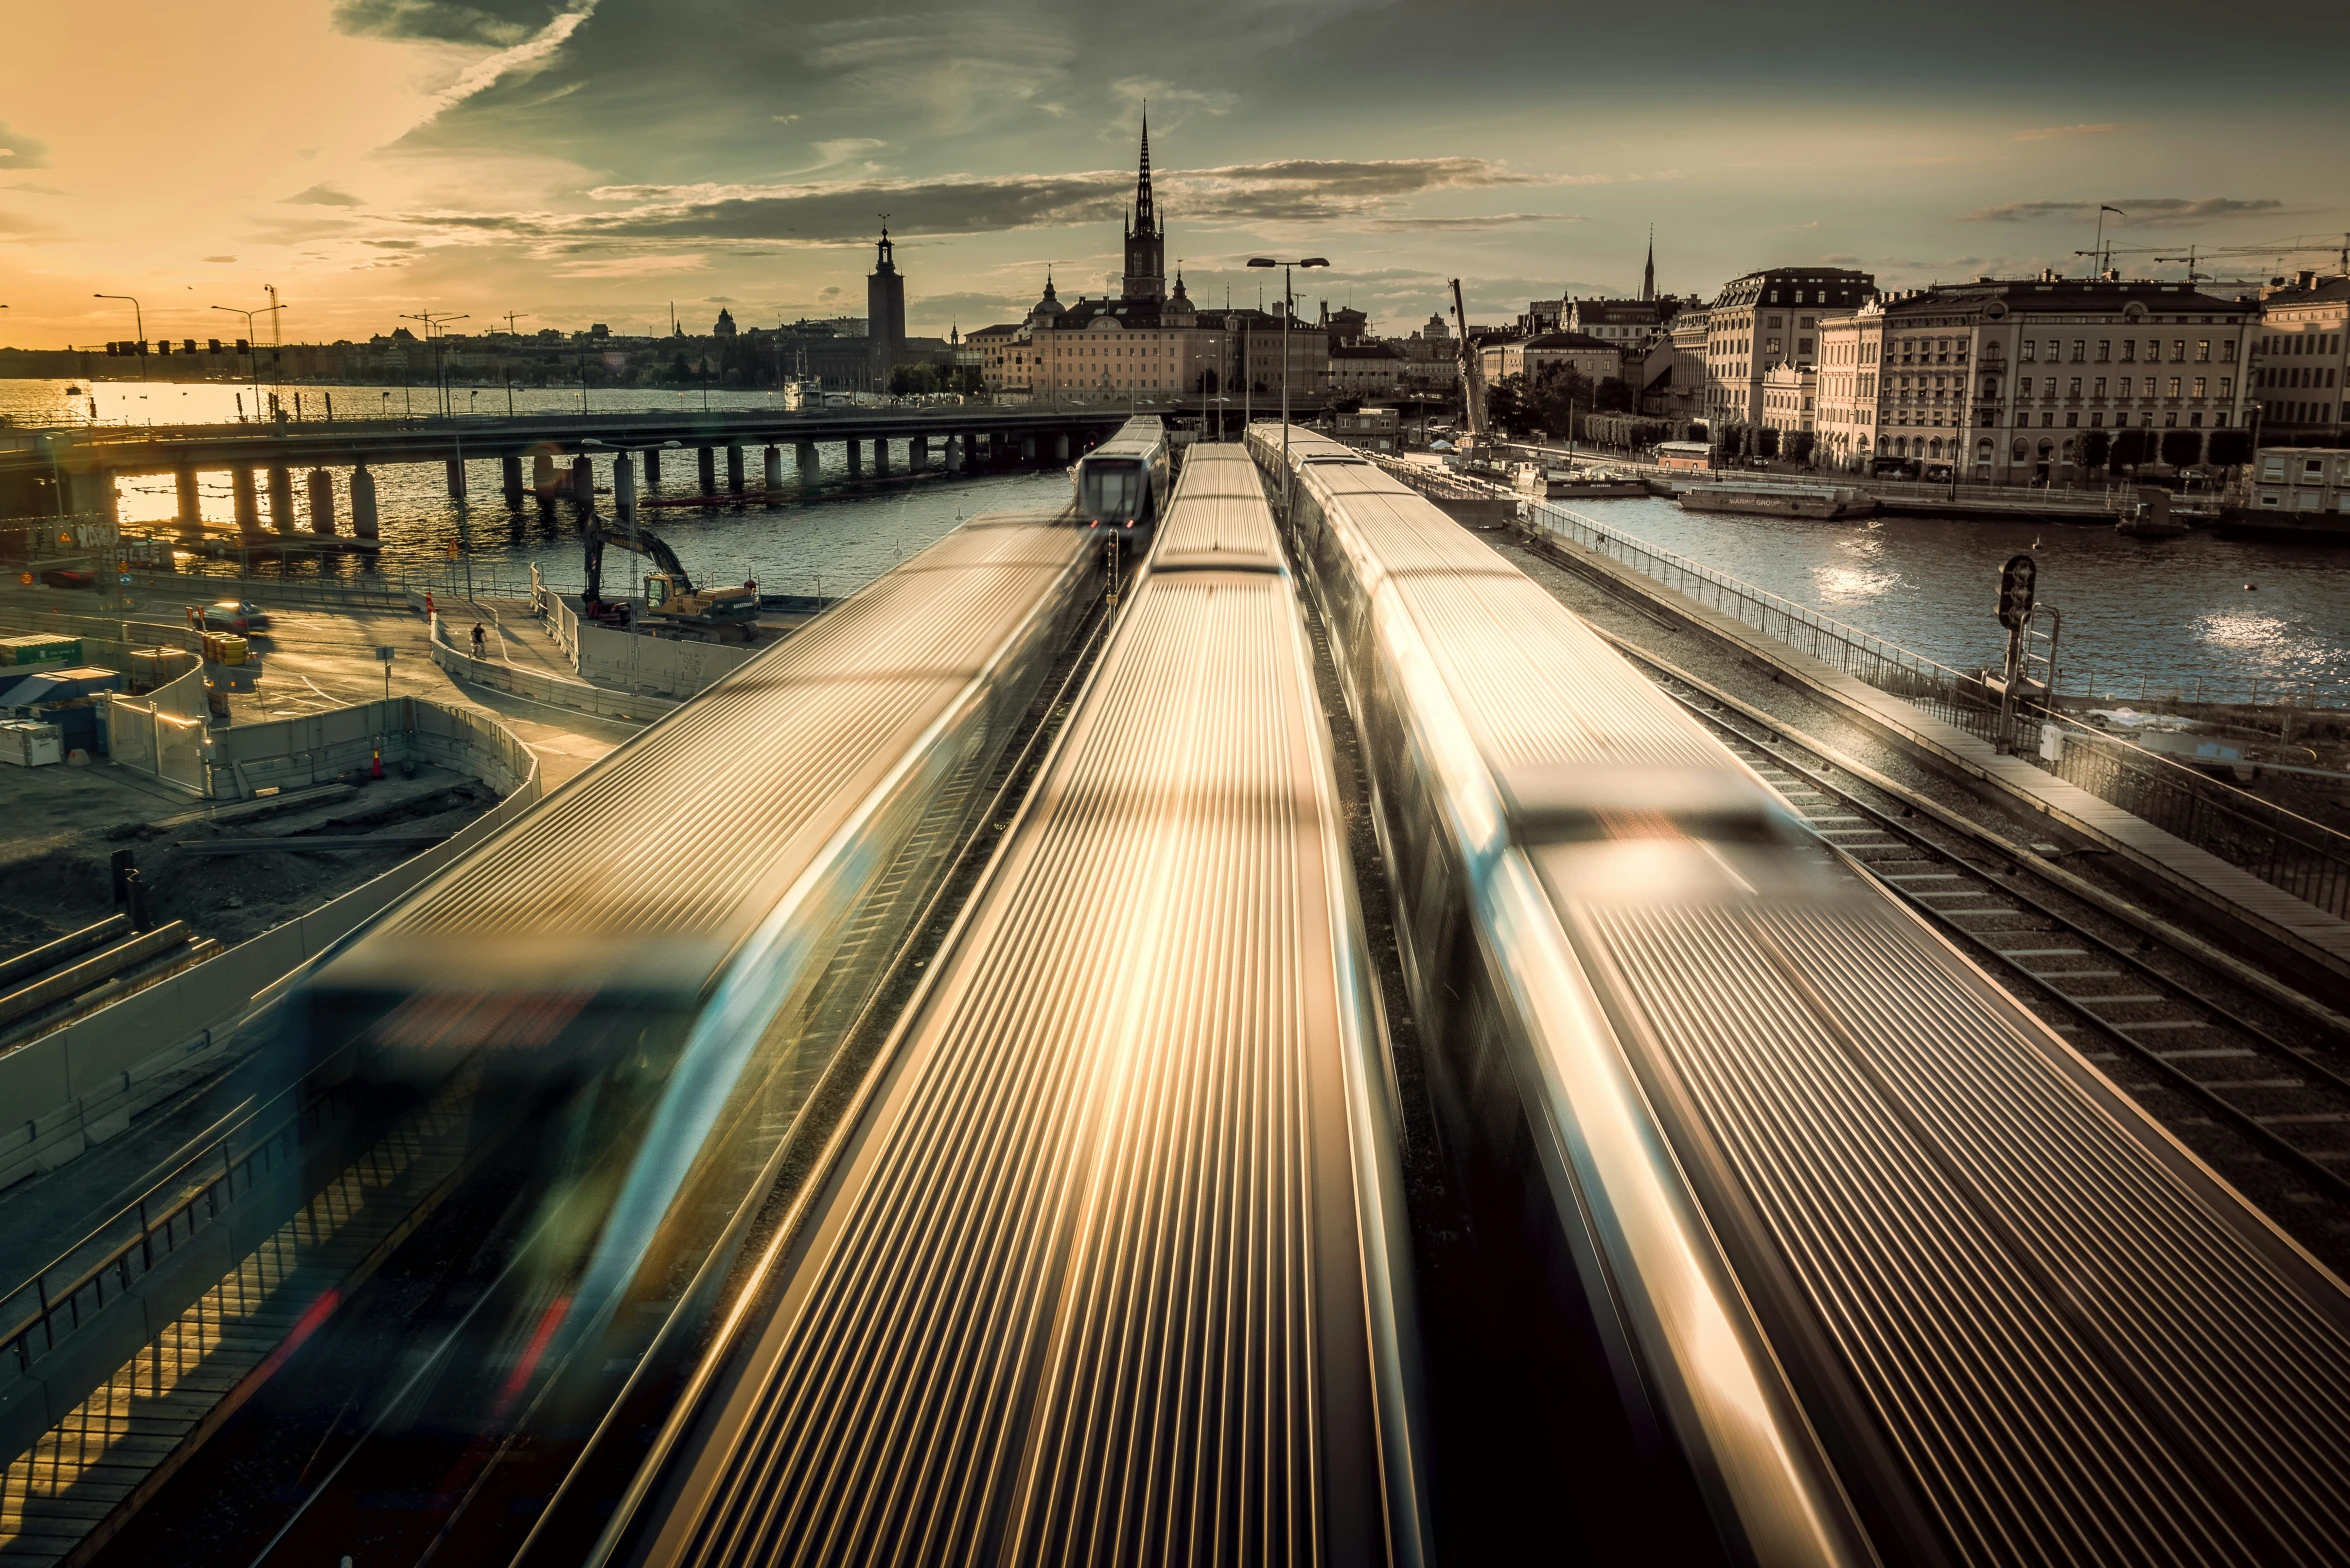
(1050, 305)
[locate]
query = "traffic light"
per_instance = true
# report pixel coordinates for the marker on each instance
(188, 346)
(241, 347)
(113, 348)
(212, 345)
(140, 348)
(2015, 591)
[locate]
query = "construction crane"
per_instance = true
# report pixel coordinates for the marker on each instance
(672, 602)
(2199, 253)
(1472, 370)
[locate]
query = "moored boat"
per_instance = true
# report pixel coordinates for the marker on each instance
(1826, 502)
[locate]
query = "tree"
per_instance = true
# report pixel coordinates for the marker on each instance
(1505, 404)
(1800, 444)
(1613, 396)
(1766, 442)
(2096, 447)
(2182, 448)
(2130, 448)
(2231, 448)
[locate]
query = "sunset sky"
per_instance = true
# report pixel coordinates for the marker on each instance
(597, 160)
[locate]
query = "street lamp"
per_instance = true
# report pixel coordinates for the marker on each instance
(140, 317)
(1288, 309)
(252, 353)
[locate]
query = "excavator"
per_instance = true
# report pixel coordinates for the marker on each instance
(672, 603)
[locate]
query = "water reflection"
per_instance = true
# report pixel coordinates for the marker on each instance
(2171, 610)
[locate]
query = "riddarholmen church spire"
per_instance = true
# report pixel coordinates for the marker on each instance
(1648, 278)
(1146, 246)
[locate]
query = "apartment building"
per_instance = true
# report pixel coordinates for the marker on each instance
(1768, 318)
(1789, 392)
(2005, 376)
(2300, 375)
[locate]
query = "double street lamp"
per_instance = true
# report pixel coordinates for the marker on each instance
(1288, 309)
(253, 353)
(140, 318)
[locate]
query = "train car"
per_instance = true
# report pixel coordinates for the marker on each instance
(1876, 1265)
(1123, 482)
(1111, 1267)
(667, 950)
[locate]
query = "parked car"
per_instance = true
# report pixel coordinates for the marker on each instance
(234, 615)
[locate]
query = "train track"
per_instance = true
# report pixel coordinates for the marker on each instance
(2111, 986)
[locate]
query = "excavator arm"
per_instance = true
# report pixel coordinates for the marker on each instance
(645, 543)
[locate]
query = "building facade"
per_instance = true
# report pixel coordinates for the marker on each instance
(1590, 357)
(1768, 318)
(1789, 392)
(2300, 375)
(2005, 378)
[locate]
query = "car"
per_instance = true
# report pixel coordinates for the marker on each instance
(67, 577)
(234, 615)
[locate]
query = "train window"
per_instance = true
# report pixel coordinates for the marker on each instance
(1113, 488)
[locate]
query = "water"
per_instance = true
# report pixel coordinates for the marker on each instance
(832, 542)
(2167, 611)
(166, 402)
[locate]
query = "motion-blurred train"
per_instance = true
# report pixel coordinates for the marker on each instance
(1124, 482)
(1878, 1268)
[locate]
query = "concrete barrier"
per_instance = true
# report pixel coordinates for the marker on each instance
(554, 690)
(83, 1083)
(163, 734)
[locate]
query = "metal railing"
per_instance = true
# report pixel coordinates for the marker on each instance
(2284, 849)
(183, 1204)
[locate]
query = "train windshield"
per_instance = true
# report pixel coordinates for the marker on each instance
(1112, 488)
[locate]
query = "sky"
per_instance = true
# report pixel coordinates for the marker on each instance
(573, 161)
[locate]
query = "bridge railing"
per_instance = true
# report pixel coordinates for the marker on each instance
(2283, 848)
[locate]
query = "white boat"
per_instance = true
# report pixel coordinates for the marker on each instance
(1757, 498)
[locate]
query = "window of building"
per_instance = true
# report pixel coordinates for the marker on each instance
(2178, 349)
(2203, 351)
(2104, 350)
(2129, 350)
(2074, 389)
(2198, 386)
(2174, 386)
(2055, 350)
(2080, 350)
(2227, 349)
(2099, 393)
(2227, 386)
(2026, 354)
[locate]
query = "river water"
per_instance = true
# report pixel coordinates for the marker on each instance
(2166, 612)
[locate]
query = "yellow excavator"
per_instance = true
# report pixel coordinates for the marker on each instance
(673, 605)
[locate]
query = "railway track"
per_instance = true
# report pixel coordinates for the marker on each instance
(2111, 986)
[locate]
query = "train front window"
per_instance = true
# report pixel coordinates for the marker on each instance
(1113, 488)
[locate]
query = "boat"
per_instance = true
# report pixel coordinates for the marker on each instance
(2144, 524)
(1757, 499)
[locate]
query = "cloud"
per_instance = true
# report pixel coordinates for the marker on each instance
(32, 189)
(524, 59)
(841, 212)
(632, 267)
(785, 119)
(217, 260)
(1498, 220)
(1797, 228)
(497, 23)
(2052, 132)
(323, 195)
(20, 151)
(10, 223)
(2137, 212)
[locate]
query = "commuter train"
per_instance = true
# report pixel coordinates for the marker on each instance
(647, 974)
(1829, 1251)
(1123, 483)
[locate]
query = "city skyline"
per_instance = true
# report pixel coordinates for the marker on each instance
(587, 160)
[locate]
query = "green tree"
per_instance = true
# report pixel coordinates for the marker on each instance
(1800, 444)
(1505, 405)
(1766, 442)
(2096, 448)
(2130, 448)
(2182, 448)
(1613, 395)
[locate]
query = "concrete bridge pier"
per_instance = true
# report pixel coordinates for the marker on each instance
(542, 474)
(880, 456)
(510, 475)
(856, 458)
(583, 480)
(624, 489)
(1028, 449)
(92, 491)
(652, 465)
(322, 503)
(811, 466)
(362, 502)
(917, 454)
(191, 512)
(774, 467)
(281, 498)
(706, 460)
(1061, 447)
(246, 500)
(955, 454)
(734, 466)
(456, 470)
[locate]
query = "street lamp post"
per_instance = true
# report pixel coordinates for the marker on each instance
(252, 354)
(1288, 310)
(138, 317)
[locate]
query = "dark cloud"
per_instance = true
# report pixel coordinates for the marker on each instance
(501, 23)
(846, 212)
(1498, 220)
(220, 259)
(2136, 212)
(323, 196)
(21, 151)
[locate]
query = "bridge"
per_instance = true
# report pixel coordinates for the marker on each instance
(1290, 1049)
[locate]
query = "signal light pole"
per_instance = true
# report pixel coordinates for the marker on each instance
(252, 354)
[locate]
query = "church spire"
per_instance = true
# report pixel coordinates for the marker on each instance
(1648, 278)
(1146, 218)
(1146, 247)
